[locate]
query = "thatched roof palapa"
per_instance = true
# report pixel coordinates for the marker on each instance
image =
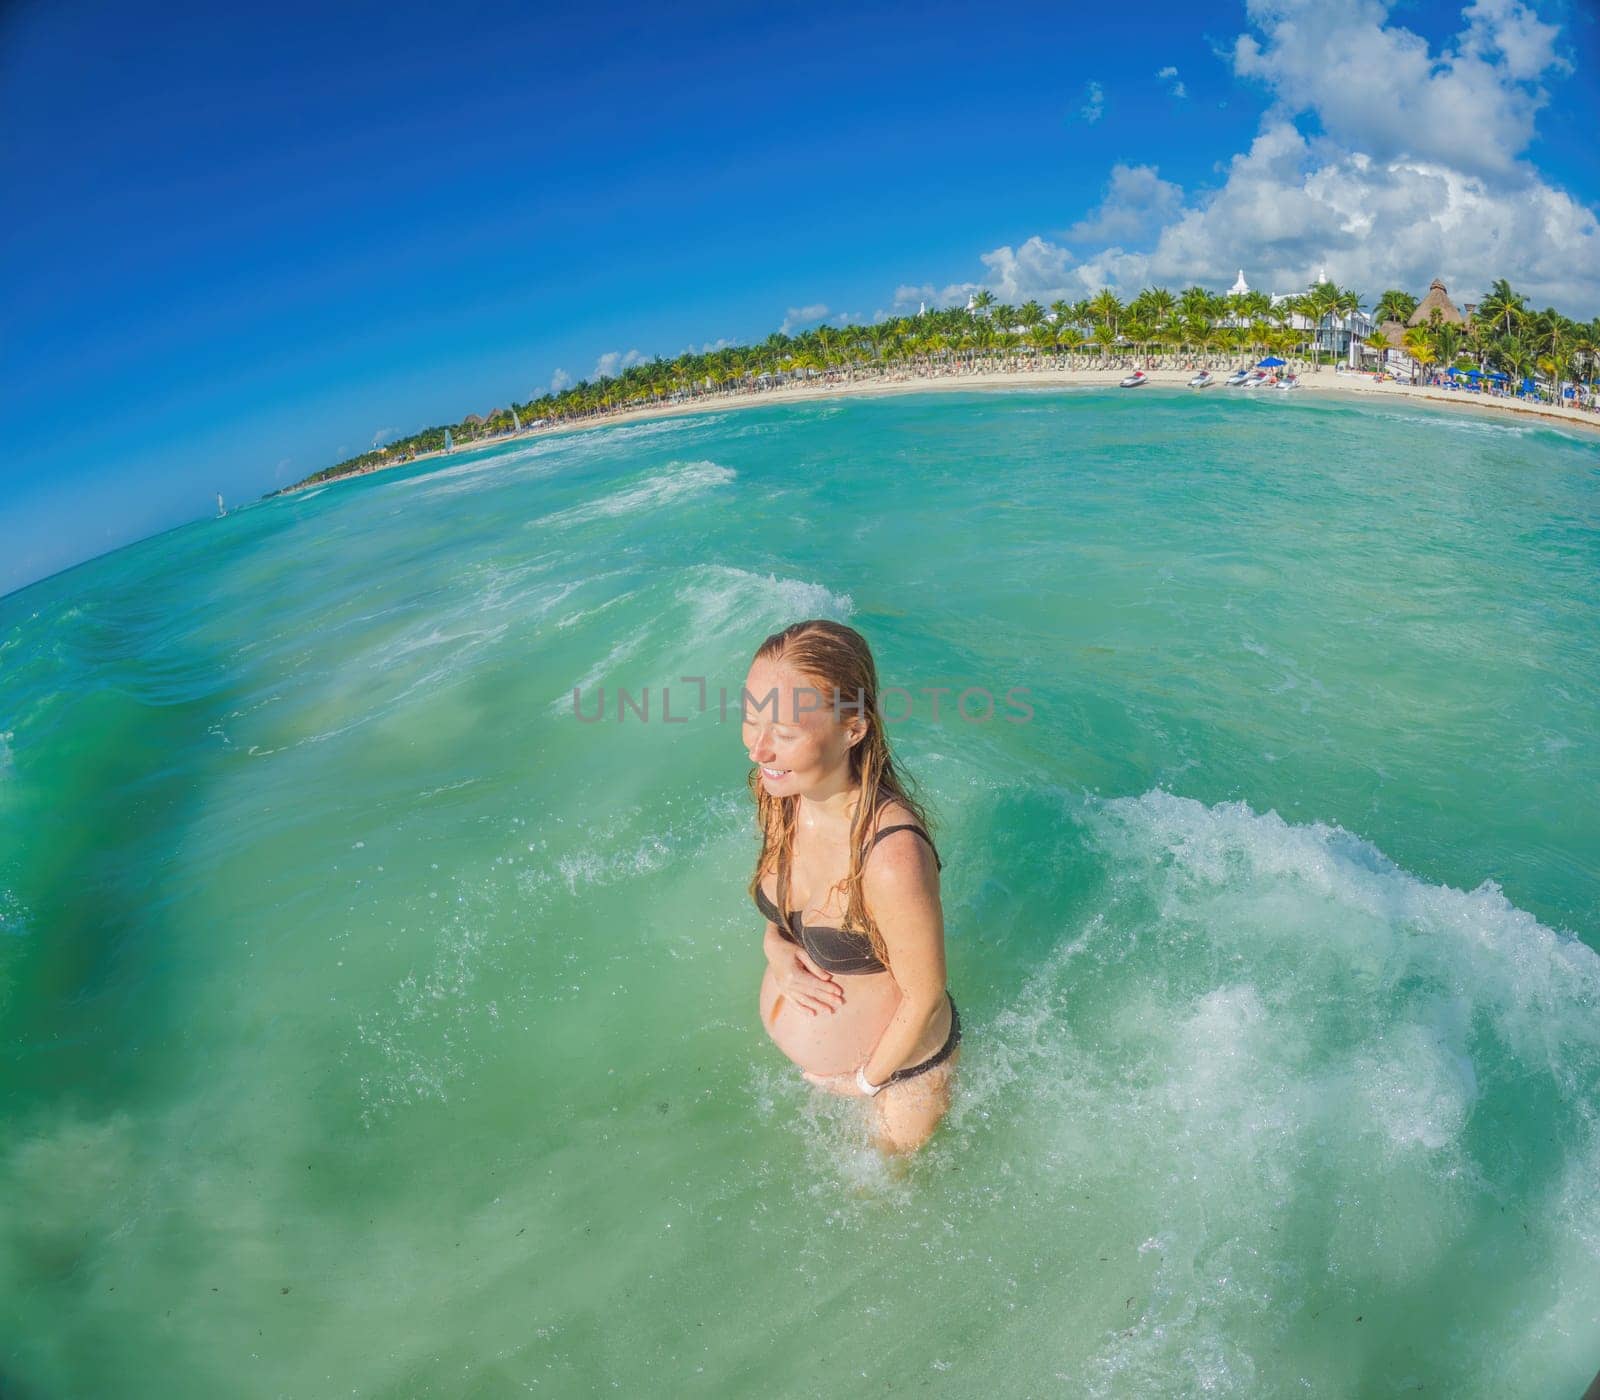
(1436, 300)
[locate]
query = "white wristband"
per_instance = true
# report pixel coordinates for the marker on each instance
(864, 1084)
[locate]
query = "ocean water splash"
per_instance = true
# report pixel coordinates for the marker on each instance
(377, 1028)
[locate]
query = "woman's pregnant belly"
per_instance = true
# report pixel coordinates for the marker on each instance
(831, 1042)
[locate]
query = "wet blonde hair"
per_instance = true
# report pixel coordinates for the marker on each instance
(837, 661)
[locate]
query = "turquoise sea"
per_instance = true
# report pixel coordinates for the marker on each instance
(372, 1027)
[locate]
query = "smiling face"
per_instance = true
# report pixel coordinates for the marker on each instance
(791, 733)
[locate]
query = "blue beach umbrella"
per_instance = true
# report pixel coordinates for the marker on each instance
(1528, 387)
(1270, 362)
(1498, 375)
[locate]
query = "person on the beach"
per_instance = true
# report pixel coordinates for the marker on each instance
(848, 879)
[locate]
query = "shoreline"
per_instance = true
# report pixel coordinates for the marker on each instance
(903, 382)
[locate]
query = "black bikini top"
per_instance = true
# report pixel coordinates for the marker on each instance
(840, 950)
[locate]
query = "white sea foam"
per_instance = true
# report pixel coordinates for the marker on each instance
(710, 619)
(724, 600)
(673, 482)
(537, 457)
(1276, 1042)
(1455, 423)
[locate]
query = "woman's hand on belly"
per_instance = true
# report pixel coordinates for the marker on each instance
(833, 1044)
(803, 983)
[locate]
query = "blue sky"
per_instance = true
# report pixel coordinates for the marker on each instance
(241, 246)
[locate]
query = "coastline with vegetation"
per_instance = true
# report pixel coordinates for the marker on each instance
(1419, 348)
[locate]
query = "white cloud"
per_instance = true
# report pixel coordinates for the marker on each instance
(1169, 73)
(800, 316)
(1525, 43)
(613, 362)
(1034, 268)
(1414, 173)
(709, 348)
(383, 435)
(908, 298)
(1137, 201)
(1377, 88)
(560, 380)
(1094, 103)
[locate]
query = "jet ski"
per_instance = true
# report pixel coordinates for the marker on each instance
(1237, 378)
(1134, 380)
(1201, 380)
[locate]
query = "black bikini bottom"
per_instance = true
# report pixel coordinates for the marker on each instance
(940, 1056)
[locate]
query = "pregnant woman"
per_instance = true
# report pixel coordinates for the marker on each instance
(848, 879)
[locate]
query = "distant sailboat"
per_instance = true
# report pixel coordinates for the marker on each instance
(448, 445)
(222, 510)
(516, 423)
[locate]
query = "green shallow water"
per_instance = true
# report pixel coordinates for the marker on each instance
(372, 1027)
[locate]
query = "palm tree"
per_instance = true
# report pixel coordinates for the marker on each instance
(1138, 334)
(1282, 342)
(1586, 351)
(1107, 310)
(1394, 305)
(1151, 305)
(1502, 307)
(1446, 341)
(1321, 302)
(1197, 331)
(1196, 301)
(1346, 303)
(1418, 341)
(1547, 334)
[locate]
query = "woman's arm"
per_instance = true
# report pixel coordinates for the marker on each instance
(772, 940)
(902, 881)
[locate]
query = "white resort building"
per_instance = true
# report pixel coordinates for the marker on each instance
(1337, 335)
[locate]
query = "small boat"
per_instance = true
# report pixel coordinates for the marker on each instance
(1287, 382)
(1134, 380)
(1255, 380)
(1238, 377)
(1201, 380)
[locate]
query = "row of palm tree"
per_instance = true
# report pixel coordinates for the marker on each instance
(1505, 336)
(1158, 328)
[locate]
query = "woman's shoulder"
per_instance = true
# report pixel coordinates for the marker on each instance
(894, 813)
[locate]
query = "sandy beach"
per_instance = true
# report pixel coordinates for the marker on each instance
(1328, 381)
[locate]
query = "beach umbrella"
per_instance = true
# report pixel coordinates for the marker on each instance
(1474, 374)
(1270, 362)
(1498, 375)
(1528, 387)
